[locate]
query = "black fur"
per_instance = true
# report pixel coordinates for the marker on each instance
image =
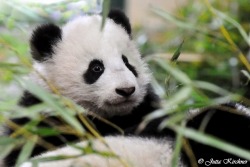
(43, 41)
(129, 66)
(121, 19)
(94, 71)
(28, 100)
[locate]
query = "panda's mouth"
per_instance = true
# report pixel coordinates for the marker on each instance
(119, 103)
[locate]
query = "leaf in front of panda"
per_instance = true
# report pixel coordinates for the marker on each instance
(13, 68)
(212, 141)
(178, 146)
(7, 144)
(175, 72)
(45, 132)
(181, 96)
(6, 150)
(105, 11)
(58, 107)
(247, 75)
(210, 87)
(27, 150)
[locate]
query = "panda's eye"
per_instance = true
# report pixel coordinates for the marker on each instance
(97, 68)
(94, 71)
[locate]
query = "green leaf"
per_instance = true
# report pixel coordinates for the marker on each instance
(26, 151)
(175, 72)
(45, 131)
(38, 160)
(32, 111)
(14, 68)
(211, 87)
(46, 97)
(177, 150)
(212, 141)
(178, 98)
(167, 16)
(4, 140)
(247, 75)
(105, 7)
(5, 150)
(177, 53)
(234, 23)
(175, 118)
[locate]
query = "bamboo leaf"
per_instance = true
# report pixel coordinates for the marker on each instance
(4, 140)
(26, 150)
(175, 72)
(247, 75)
(5, 150)
(212, 141)
(50, 100)
(178, 98)
(177, 53)
(167, 16)
(177, 150)
(106, 6)
(233, 22)
(211, 87)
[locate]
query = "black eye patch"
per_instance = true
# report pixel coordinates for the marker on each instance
(129, 66)
(95, 70)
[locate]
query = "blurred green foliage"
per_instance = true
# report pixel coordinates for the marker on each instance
(200, 27)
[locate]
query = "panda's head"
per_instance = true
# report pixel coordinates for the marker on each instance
(101, 70)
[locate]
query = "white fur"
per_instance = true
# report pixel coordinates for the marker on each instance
(135, 152)
(83, 41)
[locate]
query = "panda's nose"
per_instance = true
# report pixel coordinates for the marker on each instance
(125, 92)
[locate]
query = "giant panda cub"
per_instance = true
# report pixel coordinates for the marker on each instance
(103, 71)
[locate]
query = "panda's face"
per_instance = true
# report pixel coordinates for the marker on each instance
(100, 70)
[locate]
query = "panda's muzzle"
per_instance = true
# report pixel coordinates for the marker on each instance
(125, 92)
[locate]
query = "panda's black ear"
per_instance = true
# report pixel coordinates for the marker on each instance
(43, 40)
(120, 18)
